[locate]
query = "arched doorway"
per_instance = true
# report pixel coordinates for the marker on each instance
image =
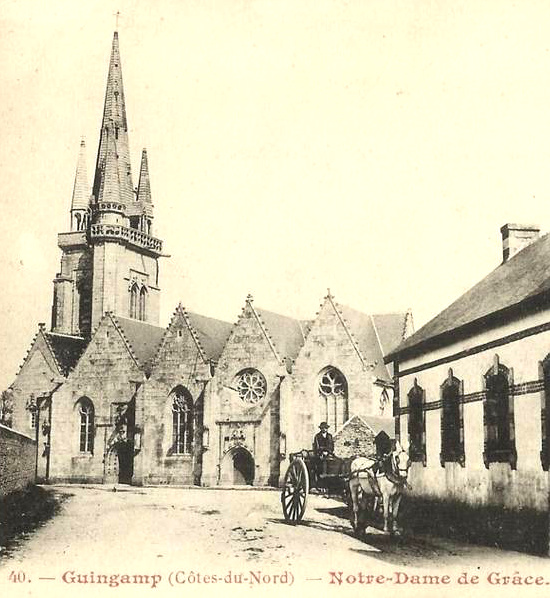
(119, 465)
(237, 468)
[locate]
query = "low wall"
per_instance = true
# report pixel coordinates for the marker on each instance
(17, 460)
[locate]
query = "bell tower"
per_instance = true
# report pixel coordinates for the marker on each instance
(109, 258)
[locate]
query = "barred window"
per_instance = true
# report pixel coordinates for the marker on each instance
(452, 445)
(417, 424)
(86, 415)
(498, 417)
(333, 393)
(182, 422)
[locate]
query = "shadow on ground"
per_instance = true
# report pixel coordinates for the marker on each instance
(24, 511)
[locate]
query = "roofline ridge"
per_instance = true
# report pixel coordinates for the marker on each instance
(382, 350)
(154, 361)
(348, 331)
(194, 334)
(118, 327)
(48, 344)
(263, 326)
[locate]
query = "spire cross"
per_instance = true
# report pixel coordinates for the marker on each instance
(117, 16)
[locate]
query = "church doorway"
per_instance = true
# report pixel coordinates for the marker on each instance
(238, 468)
(119, 464)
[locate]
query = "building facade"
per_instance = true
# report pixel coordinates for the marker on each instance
(113, 397)
(473, 386)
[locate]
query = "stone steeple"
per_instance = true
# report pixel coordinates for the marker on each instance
(144, 186)
(81, 194)
(114, 149)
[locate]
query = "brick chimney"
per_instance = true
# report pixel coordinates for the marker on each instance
(515, 237)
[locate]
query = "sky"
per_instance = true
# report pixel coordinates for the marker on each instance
(373, 148)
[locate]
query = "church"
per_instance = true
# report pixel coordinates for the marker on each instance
(114, 397)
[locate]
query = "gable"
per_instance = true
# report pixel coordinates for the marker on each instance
(248, 341)
(107, 356)
(39, 371)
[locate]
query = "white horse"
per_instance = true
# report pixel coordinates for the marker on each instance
(364, 484)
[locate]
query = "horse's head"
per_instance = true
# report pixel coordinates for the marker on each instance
(401, 461)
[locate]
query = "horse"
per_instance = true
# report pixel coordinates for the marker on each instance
(389, 486)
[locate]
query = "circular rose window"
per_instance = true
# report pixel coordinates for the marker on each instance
(251, 386)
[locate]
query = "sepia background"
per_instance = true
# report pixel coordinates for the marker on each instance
(371, 147)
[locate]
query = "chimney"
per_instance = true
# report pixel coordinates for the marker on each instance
(515, 237)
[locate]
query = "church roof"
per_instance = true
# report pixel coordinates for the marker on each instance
(521, 283)
(144, 339)
(287, 333)
(373, 333)
(66, 349)
(212, 334)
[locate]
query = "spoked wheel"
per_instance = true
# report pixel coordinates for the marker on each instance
(295, 491)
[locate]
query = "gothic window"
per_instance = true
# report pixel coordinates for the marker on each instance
(251, 385)
(86, 416)
(142, 303)
(182, 421)
(333, 393)
(452, 443)
(134, 301)
(498, 416)
(417, 424)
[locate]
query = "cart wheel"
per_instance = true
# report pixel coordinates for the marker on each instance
(295, 491)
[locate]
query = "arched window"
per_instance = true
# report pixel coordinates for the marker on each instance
(86, 417)
(134, 301)
(452, 429)
(417, 424)
(498, 416)
(142, 303)
(182, 421)
(333, 394)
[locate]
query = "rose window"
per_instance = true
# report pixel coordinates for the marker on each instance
(332, 383)
(251, 386)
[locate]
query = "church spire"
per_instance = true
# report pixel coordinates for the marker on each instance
(114, 150)
(81, 197)
(144, 186)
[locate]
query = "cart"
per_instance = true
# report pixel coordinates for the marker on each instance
(305, 472)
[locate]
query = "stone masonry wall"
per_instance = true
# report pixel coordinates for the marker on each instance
(105, 374)
(17, 460)
(247, 347)
(355, 439)
(178, 363)
(327, 344)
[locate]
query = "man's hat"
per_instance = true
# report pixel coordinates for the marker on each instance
(324, 426)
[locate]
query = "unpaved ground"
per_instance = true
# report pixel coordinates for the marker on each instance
(202, 532)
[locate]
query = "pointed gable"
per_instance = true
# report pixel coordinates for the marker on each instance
(143, 339)
(40, 360)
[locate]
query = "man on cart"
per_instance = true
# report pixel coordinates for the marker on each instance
(323, 448)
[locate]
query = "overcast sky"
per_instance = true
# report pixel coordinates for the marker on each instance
(371, 147)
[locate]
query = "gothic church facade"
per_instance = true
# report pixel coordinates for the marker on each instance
(114, 397)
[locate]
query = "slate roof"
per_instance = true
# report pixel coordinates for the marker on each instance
(66, 349)
(520, 283)
(144, 339)
(373, 334)
(212, 334)
(287, 333)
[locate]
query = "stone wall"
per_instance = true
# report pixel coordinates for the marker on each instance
(17, 460)
(355, 439)
(178, 364)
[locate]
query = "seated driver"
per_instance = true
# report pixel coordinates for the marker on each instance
(323, 447)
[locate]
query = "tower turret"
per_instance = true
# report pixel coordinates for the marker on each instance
(81, 193)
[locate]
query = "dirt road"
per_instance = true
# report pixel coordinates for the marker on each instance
(198, 540)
